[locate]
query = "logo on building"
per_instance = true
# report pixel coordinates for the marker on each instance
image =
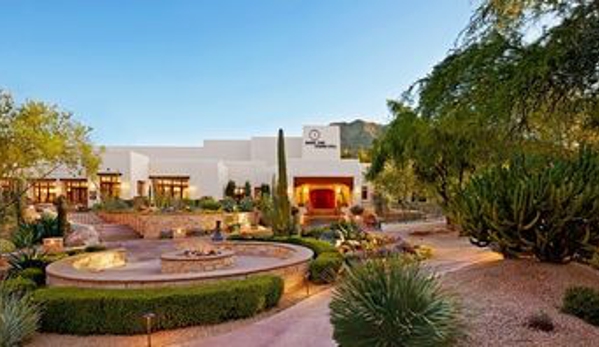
(315, 139)
(314, 135)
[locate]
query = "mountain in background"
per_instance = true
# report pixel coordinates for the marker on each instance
(357, 136)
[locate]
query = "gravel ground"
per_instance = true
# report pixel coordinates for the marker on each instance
(498, 297)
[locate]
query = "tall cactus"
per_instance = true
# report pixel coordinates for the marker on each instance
(549, 208)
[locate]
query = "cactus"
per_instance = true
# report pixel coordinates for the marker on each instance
(62, 211)
(282, 221)
(549, 208)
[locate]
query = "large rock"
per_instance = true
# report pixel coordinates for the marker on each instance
(82, 235)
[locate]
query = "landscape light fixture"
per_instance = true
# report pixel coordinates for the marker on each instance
(149, 317)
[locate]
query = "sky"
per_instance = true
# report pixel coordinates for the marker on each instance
(178, 72)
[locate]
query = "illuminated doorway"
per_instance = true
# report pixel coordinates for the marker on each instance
(323, 195)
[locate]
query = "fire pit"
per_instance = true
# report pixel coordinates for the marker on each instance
(199, 256)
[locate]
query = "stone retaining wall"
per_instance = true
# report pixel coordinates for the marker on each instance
(151, 225)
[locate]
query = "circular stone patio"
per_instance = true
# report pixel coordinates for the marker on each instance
(143, 266)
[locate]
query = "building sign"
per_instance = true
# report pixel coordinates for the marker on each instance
(315, 139)
(321, 142)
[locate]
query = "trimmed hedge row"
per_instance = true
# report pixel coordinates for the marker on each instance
(317, 246)
(327, 263)
(325, 268)
(80, 311)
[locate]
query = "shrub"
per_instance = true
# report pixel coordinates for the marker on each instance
(317, 246)
(25, 236)
(246, 204)
(315, 232)
(208, 203)
(27, 258)
(325, 268)
(393, 302)
(228, 204)
(540, 321)
(37, 275)
(119, 311)
(113, 204)
(18, 285)
(582, 302)
(534, 205)
(7, 246)
(20, 317)
(356, 210)
(29, 234)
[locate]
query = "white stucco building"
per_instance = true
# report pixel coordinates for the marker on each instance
(317, 175)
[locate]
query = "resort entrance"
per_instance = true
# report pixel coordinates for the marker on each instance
(323, 196)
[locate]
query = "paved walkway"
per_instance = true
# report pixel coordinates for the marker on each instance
(307, 323)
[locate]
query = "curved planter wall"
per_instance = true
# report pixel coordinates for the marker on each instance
(291, 265)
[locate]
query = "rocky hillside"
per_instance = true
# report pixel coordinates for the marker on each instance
(358, 135)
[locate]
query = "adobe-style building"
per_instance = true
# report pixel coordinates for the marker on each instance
(317, 176)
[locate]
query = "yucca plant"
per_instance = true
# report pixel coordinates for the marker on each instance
(393, 302)
(19, 317)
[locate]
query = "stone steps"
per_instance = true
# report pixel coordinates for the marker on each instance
(115, 232)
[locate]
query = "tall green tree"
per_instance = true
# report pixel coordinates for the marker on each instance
(38, 138)
(502, 91)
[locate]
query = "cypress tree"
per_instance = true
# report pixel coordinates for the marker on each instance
(284, 223)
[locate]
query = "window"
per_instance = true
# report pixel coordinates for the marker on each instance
(172, 187)
(110, 185)
(6, 187)
(76, 191)
(44, 191)
(364, 192)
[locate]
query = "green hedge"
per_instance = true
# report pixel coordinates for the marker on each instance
(18, 285)
(119, 311)
(582, 302)
(325, 268)
(317, 246)
(327, 263)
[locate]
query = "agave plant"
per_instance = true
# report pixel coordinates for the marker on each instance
(393, 302)
(19, 318)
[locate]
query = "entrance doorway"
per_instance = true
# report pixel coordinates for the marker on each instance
(323, 195)
(76, 192)
(322, 199)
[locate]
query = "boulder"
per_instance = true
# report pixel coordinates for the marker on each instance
(82, 235)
